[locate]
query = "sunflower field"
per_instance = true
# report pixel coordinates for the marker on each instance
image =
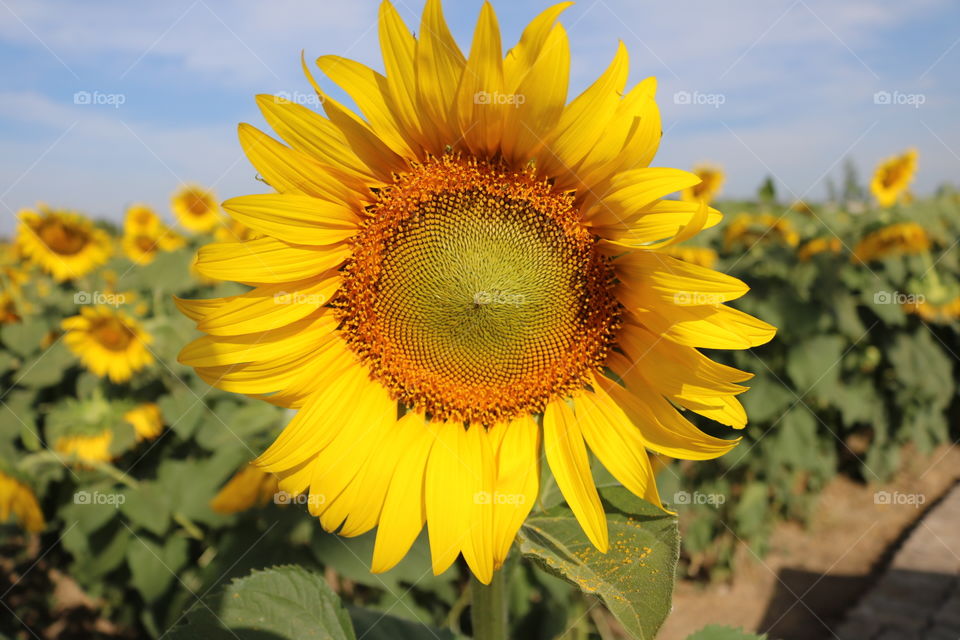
(473, 369)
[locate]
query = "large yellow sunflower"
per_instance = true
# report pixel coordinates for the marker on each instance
(196, 208)
(893, 176)
(18, 499)
(488, 250)
(711, 181)
(108, 342)
(64, 244)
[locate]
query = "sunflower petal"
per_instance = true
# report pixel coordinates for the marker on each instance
(265, 260)
(295, 218)
(480, 106)
(567, 456)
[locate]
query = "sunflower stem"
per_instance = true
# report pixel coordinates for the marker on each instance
(489, 609)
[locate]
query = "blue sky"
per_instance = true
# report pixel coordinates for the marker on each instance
(781, 87)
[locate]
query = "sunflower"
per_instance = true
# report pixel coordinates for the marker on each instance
(900, 238)
(86, 449)
(146, 420)
(108, 342)
(233, 231)
(711, 181)
(488, 250)
(747, 230)
(819, 245)
(145, 235)
(196, 208)
(893, 176)
(249, 487)
(942, 313)
(18, 499)
(9, 313)
(701, 256)
(64, 244)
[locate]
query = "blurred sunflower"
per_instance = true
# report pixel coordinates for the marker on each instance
(747, 230)
(819, 245)
(18, 499)
(64, 244)
(86, 449)
(146, 419)
(700, 256)
(941, 313)
(711, 181)
(249, 487)
(234, 231)
(9, 314)
(901, 238)
(482, 289)
(893, 176)
(108, 342)
(145, 235)
(196, 209)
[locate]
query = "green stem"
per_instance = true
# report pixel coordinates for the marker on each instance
(489, 609)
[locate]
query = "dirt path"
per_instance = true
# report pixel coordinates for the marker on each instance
(813, 576)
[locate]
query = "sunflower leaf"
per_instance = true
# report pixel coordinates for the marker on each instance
(634, 579)
(281, 603)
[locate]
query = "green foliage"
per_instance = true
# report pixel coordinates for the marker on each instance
(719, 632)
(634, 578)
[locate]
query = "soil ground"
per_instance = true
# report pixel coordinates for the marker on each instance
(813, 575)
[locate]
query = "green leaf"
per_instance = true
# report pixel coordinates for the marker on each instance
(815, 363)
(719, 632)
(147, 507)
(183, 411)
(374, 625)
(281, 603)
(24, 338)
(46, 369)
(153, 567)
(634, 579)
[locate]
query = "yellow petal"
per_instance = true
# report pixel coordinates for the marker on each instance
(631, 191)
(265, 260)
(481, 96)
(617, 443)
(707, 327)
(567, 456)
(370, 92)
(311, 133)
(404, 511)
(270, 306)
(290, 171)
(295, 218)
(439, 64)
(447, 496)
(649, 277)
(399, 48)
(655, 222)
(517, 448)
(533, 41)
